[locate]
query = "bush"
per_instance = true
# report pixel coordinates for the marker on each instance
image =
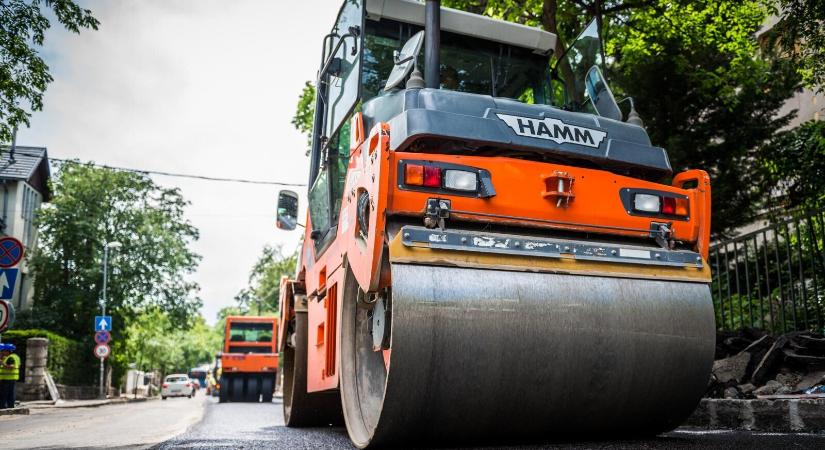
(68, 361)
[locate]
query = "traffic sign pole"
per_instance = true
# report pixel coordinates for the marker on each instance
(106, 248)
(102, 326)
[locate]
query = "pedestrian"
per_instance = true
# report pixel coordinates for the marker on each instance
(9, 373)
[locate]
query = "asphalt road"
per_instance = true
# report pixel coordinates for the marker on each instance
(259, 426)
(128, 425)
(203, 423)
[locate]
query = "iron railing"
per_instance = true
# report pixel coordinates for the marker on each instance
(772, 278)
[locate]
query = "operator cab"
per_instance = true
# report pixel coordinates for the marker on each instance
(498, 95)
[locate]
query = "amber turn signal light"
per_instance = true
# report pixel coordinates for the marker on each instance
(414, 175)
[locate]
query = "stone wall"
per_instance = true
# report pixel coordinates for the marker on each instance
(81, 392)
(777, 415)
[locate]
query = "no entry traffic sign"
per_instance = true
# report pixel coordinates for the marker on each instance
(102, 337)
(102, 351)
(6, 315)
(11, 252)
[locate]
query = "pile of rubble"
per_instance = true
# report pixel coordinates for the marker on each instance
(752, 364)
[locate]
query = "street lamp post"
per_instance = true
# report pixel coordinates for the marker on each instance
(106, 247)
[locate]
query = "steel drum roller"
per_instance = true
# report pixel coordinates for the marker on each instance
(487, 354)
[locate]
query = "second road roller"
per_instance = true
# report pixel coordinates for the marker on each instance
(493, 248)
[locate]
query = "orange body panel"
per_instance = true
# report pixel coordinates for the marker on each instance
(526, 196)
(233, 361)
(595, 204)
(324, 313)
(286, 307)
(370, 171)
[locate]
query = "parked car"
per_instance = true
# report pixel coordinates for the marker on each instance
(177, 385)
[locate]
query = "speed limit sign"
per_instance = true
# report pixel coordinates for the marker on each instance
(6, 315)
(102, 351)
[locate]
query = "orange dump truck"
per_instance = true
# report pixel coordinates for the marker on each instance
(249, 360)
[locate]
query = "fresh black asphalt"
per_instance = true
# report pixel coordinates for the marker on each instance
(259, 426)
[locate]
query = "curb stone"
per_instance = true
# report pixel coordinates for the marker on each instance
(90, 404)
(776, 415)
(14, 412)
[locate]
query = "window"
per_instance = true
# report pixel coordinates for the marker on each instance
(30, 204)
(572, 68)
(176, 379)
(24, 291)
(467, 64)
(249, 349)
(325, 199)
(250, 332)
(343, 88)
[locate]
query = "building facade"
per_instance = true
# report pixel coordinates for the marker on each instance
(24, 187)
(809, 104)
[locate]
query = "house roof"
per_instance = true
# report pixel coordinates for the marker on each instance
(29, 164)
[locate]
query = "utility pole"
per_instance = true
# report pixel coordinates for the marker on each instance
(106, 248)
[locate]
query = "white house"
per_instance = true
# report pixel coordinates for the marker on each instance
(809, 104)
(24, 185)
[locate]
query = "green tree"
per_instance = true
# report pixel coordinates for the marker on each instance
(564, 18)
(305, 113)
(223, 313)
(24, 75)
(788, 183)
(708, 95)
(92, 206)
(800, 32)
(154, 342)
(264, 290)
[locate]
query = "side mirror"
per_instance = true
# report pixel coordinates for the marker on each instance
(600, 94)
(405, 60)
(287, 210)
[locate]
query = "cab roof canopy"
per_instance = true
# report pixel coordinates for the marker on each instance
(468, 24)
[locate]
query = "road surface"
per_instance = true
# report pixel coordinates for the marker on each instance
(203, 423)
(259, 426)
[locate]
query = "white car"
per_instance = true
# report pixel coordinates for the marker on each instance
(177, 385)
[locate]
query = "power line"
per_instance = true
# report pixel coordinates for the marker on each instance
(19, 151)
(186, 175)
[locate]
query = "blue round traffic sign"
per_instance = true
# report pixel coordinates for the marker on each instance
(11, 252)
(102, 337)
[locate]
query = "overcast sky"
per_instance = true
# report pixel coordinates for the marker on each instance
(195, 86)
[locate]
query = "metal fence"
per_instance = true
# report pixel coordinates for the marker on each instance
(773, 278)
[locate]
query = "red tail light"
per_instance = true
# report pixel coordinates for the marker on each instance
(432, 176)
(668, 205)
(188, 384)
(165, 385)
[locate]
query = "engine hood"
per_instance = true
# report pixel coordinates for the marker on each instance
(473, 122)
